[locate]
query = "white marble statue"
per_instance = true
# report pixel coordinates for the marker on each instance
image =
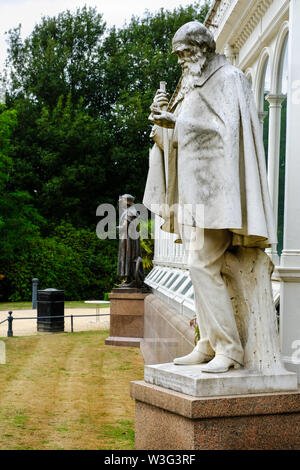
(209, 152)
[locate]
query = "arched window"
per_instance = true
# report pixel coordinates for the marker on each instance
(282, 89)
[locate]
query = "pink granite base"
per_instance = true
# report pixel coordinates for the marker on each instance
(168, 420)
(126, 317)
(123, 341)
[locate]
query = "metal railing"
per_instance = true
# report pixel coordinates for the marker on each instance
(10, 319)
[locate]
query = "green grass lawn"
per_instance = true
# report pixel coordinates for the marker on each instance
(67, 391)
(6, 306)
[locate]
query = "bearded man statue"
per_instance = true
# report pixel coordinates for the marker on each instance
(208, 152)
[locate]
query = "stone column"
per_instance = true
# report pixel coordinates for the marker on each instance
(289, 270)
(275, 102)
(231, 54)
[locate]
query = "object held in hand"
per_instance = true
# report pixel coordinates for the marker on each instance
(160, 102)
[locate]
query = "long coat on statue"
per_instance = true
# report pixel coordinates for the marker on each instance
(214, 159)
(129, 247)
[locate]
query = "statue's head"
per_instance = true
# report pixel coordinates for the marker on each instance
(193, 33)
(194, 44)
(126, 200)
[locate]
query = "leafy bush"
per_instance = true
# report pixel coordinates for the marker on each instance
(73, 260)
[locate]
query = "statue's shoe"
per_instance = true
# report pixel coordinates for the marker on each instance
(220, 364)
(195, 357)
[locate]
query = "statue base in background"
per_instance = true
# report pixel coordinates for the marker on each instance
(126, 316)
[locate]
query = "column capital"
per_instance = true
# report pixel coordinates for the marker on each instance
(231, 53)
(274, 100)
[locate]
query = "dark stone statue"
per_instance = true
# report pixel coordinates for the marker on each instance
(130, 264)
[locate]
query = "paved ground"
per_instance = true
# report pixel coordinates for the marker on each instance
(85, 323)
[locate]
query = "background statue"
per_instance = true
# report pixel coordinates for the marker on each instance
(209, 152)
(130, 265)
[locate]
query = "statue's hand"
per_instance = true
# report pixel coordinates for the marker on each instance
(161, 100)
(158, 114)
(163, 118)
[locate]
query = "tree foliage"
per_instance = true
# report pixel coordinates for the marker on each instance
(82, 94)
(60, 56)
(70, 259)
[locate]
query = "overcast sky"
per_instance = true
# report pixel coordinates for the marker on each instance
(115, 12)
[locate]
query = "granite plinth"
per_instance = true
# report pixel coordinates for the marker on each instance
(126, 317)
(176, 421)
(123, 341)
(189, 380)
(126, 290)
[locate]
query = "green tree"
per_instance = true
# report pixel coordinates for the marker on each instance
(73, 157)
(8, 121)
(60, 140)
(137, 57)
(83, 102)
(62, 55)
(82, 95)
(71, 259)
(19, 220)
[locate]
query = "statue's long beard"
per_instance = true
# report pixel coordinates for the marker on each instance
(192, 72)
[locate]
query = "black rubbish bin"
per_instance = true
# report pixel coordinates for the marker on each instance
(50, 303)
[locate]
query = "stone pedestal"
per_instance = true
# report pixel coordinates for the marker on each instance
(126, 317)
(189, 380)
(169, 420)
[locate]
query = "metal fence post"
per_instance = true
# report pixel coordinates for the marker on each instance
(72, 330)
(35, 282)
(10, 322)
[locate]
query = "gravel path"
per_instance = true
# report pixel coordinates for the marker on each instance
(29, 327)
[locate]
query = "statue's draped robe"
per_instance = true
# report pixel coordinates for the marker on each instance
(129, 248)
(215, 159)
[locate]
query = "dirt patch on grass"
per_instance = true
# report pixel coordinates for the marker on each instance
(67, 391)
